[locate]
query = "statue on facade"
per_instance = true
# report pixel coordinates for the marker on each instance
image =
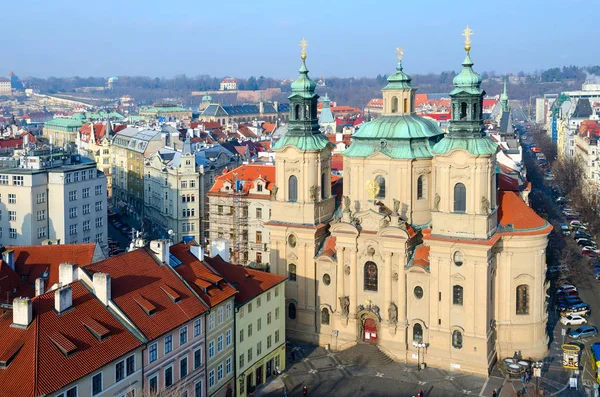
(436, 202)
(393, 313)
(396, 207)
(314, 193)
(345, 305)
(485, 204)
(274, 190)
(347, 203)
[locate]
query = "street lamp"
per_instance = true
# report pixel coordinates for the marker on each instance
(537, 373)
(419, 346)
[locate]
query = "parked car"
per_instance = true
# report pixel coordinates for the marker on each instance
(568, 303)
(573, 319)
(566, 293)
(589, 250)
(566, 287)
(585, 242)
(575, 223)
(580, 309)
(564, 228)
(562, 200)
(586, 331)
(582, 234)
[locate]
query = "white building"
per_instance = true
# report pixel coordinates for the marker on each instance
(5, 86)
(228, 84)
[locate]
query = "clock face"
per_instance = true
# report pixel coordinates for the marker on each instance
(292, 240)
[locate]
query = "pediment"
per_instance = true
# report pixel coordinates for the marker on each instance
(343, 228)
(371, 220)
(524, 276)
(458, 277)
(393, 232)
(292, 256)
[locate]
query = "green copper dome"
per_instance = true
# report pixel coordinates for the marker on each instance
(467, 80)
(480, 146)
(303, 85)
(398, 80)
(402, 137)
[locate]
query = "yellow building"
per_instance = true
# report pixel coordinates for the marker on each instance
(62, 131)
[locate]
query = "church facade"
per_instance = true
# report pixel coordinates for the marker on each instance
(425, 257)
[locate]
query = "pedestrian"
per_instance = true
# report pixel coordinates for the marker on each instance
(305, 391)
(523, 379)
(495, 393)
(421, 393)
(293, 355)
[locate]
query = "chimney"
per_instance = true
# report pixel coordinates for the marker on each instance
(160, 249)
(8, 256)
(40, 286)
(220, 247)
(66, 273)
(197, 251)
(261, 107)
(63, 299)
(102, 287)
(276, 106)
(22, 312)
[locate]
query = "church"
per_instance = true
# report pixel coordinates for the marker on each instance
(426, 257)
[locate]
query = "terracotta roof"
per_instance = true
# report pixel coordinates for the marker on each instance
(247, 173)
(12, 142)
(248, 282)
(487, 103)
(508, 183)
(143, 290)
(512, 210)
(269, 127)
(421, 256)
(337, 162)
(246, 132)
(375, 103)
(32, 261)
(39, 365)
(329, 247)
(211, 287)
(12, 285)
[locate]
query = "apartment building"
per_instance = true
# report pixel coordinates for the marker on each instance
(259, 321)
(65, 204)
(212, 288)
(62, 131)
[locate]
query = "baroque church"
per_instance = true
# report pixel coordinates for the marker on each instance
(425, 257)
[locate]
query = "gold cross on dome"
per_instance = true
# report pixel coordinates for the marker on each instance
(467, 33)
(303, 45)
(399, 52)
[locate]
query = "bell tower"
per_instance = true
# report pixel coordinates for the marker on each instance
(398, 94)
(302, 204)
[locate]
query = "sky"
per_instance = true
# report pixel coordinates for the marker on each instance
(241, 38)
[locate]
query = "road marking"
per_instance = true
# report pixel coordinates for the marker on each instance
(483, 388)
(312, 371)
(421, 382)
(406, 369)
(466, 391)
(379, 375)
(305, 359)
(449, 377)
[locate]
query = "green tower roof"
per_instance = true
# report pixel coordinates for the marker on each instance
(398, 80)
(467, 80)
(303, 85)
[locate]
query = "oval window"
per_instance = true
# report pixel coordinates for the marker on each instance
(292, 240)
(458, 258)
(326, 279)
(418, 292)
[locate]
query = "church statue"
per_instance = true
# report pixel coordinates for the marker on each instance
(375, 309)
(345, 305)
(347, 203)
(274, 190)
(485, 204)
(314, 193)
(436, 202)
(402, 225)
(393, 313)
(396, 207)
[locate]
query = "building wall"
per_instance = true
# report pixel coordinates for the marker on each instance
(220, 329)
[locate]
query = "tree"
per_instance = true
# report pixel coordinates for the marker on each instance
(251, 84)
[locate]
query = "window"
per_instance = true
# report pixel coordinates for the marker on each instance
(370, 276)
(85, 193)
(168, 377)
(3, 179)
(523, 299)
(68, 178)
(152, 353)
(86, 209)
(228, 337)
(197, 358)
(12, 198)
(98, 190)
(98, 206)
(268, 318)
(12, 233)
(219, 343)
(86, 226)
(168, 344)
(41, 232)
(99, 222)
(183, 367)
(73, 212)
(418, 291)
(130, 365)
(73, 229)
(259, 324)
(326, 279)
(463, 110)
(418, 333)
(381, 182)
(250, 355)
(192, 183)
(250, 307)
(120, 371)
(229, 310)
(211, 378)
(259, 213)
(460, 198)
(153, 384)
(198, 389)
(242, 360)
(12, 215)
(276, 291)
(17, 180)
(73, 195)
(220, 209)
(249, 330)
(241, 335)
(211, 321)
(325, 316)
(269, 341)
(72, 392)
(293, 189)
(41, 198)
(292, 311)
(292, 272)
(211, 349)
(422, 187)
(277, 336)
(99, 238)
(228, 366)
(258, 348)
(182, 336)
(220, 372)
(258, 237)
(269, 296)
(457, 295)
(458, 258)
(394, 104)
(184, 184)
(220, 315)
(96, 384)
(197, 327)
(457, 339)
(276, 313)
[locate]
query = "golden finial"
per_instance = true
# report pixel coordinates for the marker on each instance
(372, 188)
(303, 45)
(399, 53)
(467, 33)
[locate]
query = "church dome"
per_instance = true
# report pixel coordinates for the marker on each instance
(467, 80)
(303, 83)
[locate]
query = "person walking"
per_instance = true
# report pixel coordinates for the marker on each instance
(305, 391)
(495, 393)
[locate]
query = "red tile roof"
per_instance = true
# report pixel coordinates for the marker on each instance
(211, 287)
(375, 103)
(337, 162)
(32, 261)
(140, 286)
(248, 173)
(269, 127)
(421, 256)
(12, 285)
(39, 366)
(512, 210)
(249, 282)
(436, 116)
(508, 183)
(329, 246)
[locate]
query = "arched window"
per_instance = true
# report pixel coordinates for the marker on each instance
(405, 105)
(463, 110)
(323, 185)
(292, 311)
(523, 299)
(460, 198)
(457, 295)
(306, 112)
(292, 272)
(293, 188)
(296, 112)
(474, 114)
(457, 339)
(325, 316)
(422, 187)
(417, 333)
(394, 105)
(381, 182)
(370, 276)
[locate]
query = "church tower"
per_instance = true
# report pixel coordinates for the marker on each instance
(302, 204)
(504, 100)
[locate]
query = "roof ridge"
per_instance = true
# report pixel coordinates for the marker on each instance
(36, 347)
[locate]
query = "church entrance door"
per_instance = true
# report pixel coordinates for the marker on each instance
(370, 331)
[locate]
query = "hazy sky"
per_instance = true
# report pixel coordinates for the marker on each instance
(242, 37)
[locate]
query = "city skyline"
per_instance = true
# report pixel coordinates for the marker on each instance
(131, 38)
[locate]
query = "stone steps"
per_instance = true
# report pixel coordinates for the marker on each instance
(364, 354)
